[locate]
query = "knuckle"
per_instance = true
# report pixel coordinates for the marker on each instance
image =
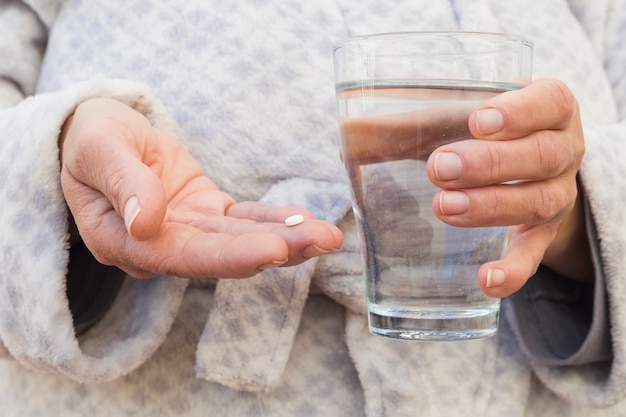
(563, 100)
(524, 106)
(552, 160)
(550, 201)
(495, 157)
(556, 154)
(564, 97)
(495, 206)
(114, 183)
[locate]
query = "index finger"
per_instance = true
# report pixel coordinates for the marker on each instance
(546, 104)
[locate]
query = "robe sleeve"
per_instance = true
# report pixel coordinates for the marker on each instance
(37, 327)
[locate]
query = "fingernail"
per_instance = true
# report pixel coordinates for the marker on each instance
(131, 211)
(489, 121)
(495, 278)
(448, 166)
(453, 202)
(271, 265)
(312, 251)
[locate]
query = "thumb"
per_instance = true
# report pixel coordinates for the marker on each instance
(139, 197)
(111, 176)
(524, 253)
(109, 169)
(104, 146)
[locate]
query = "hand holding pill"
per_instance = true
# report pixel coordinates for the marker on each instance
(170, 219)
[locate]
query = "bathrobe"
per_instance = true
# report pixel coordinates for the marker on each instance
(247, 87)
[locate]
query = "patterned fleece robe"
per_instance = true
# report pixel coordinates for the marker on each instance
(247, 87)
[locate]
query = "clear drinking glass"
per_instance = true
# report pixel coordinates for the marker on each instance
(399, 97)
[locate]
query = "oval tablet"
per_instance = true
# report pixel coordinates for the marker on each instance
(294, 220)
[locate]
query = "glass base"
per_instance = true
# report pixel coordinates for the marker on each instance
(436, 325)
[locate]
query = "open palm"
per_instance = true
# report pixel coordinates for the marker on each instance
(142, 203)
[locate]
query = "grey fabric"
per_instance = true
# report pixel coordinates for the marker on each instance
(247, 87)
(565, 322)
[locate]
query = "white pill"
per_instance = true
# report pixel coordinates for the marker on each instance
(294, 220)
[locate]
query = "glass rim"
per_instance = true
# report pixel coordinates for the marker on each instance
(521, 40)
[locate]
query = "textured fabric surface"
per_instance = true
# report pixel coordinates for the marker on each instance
(166, 384)
(247, 86)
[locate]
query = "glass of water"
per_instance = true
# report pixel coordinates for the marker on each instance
(399, 97)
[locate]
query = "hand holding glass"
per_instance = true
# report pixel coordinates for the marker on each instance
(399, 97)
